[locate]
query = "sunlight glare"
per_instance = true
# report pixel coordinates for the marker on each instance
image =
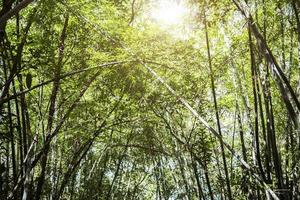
(169, 12)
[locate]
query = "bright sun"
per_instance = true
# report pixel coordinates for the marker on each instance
(169, 12)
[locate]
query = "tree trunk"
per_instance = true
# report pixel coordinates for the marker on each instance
(52, 109)
(229, 193)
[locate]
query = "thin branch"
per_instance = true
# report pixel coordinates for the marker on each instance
(23, 4)
(6, 99)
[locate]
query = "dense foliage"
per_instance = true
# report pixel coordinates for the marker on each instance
(100, 100)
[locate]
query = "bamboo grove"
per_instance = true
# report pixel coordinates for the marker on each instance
(104, 100)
